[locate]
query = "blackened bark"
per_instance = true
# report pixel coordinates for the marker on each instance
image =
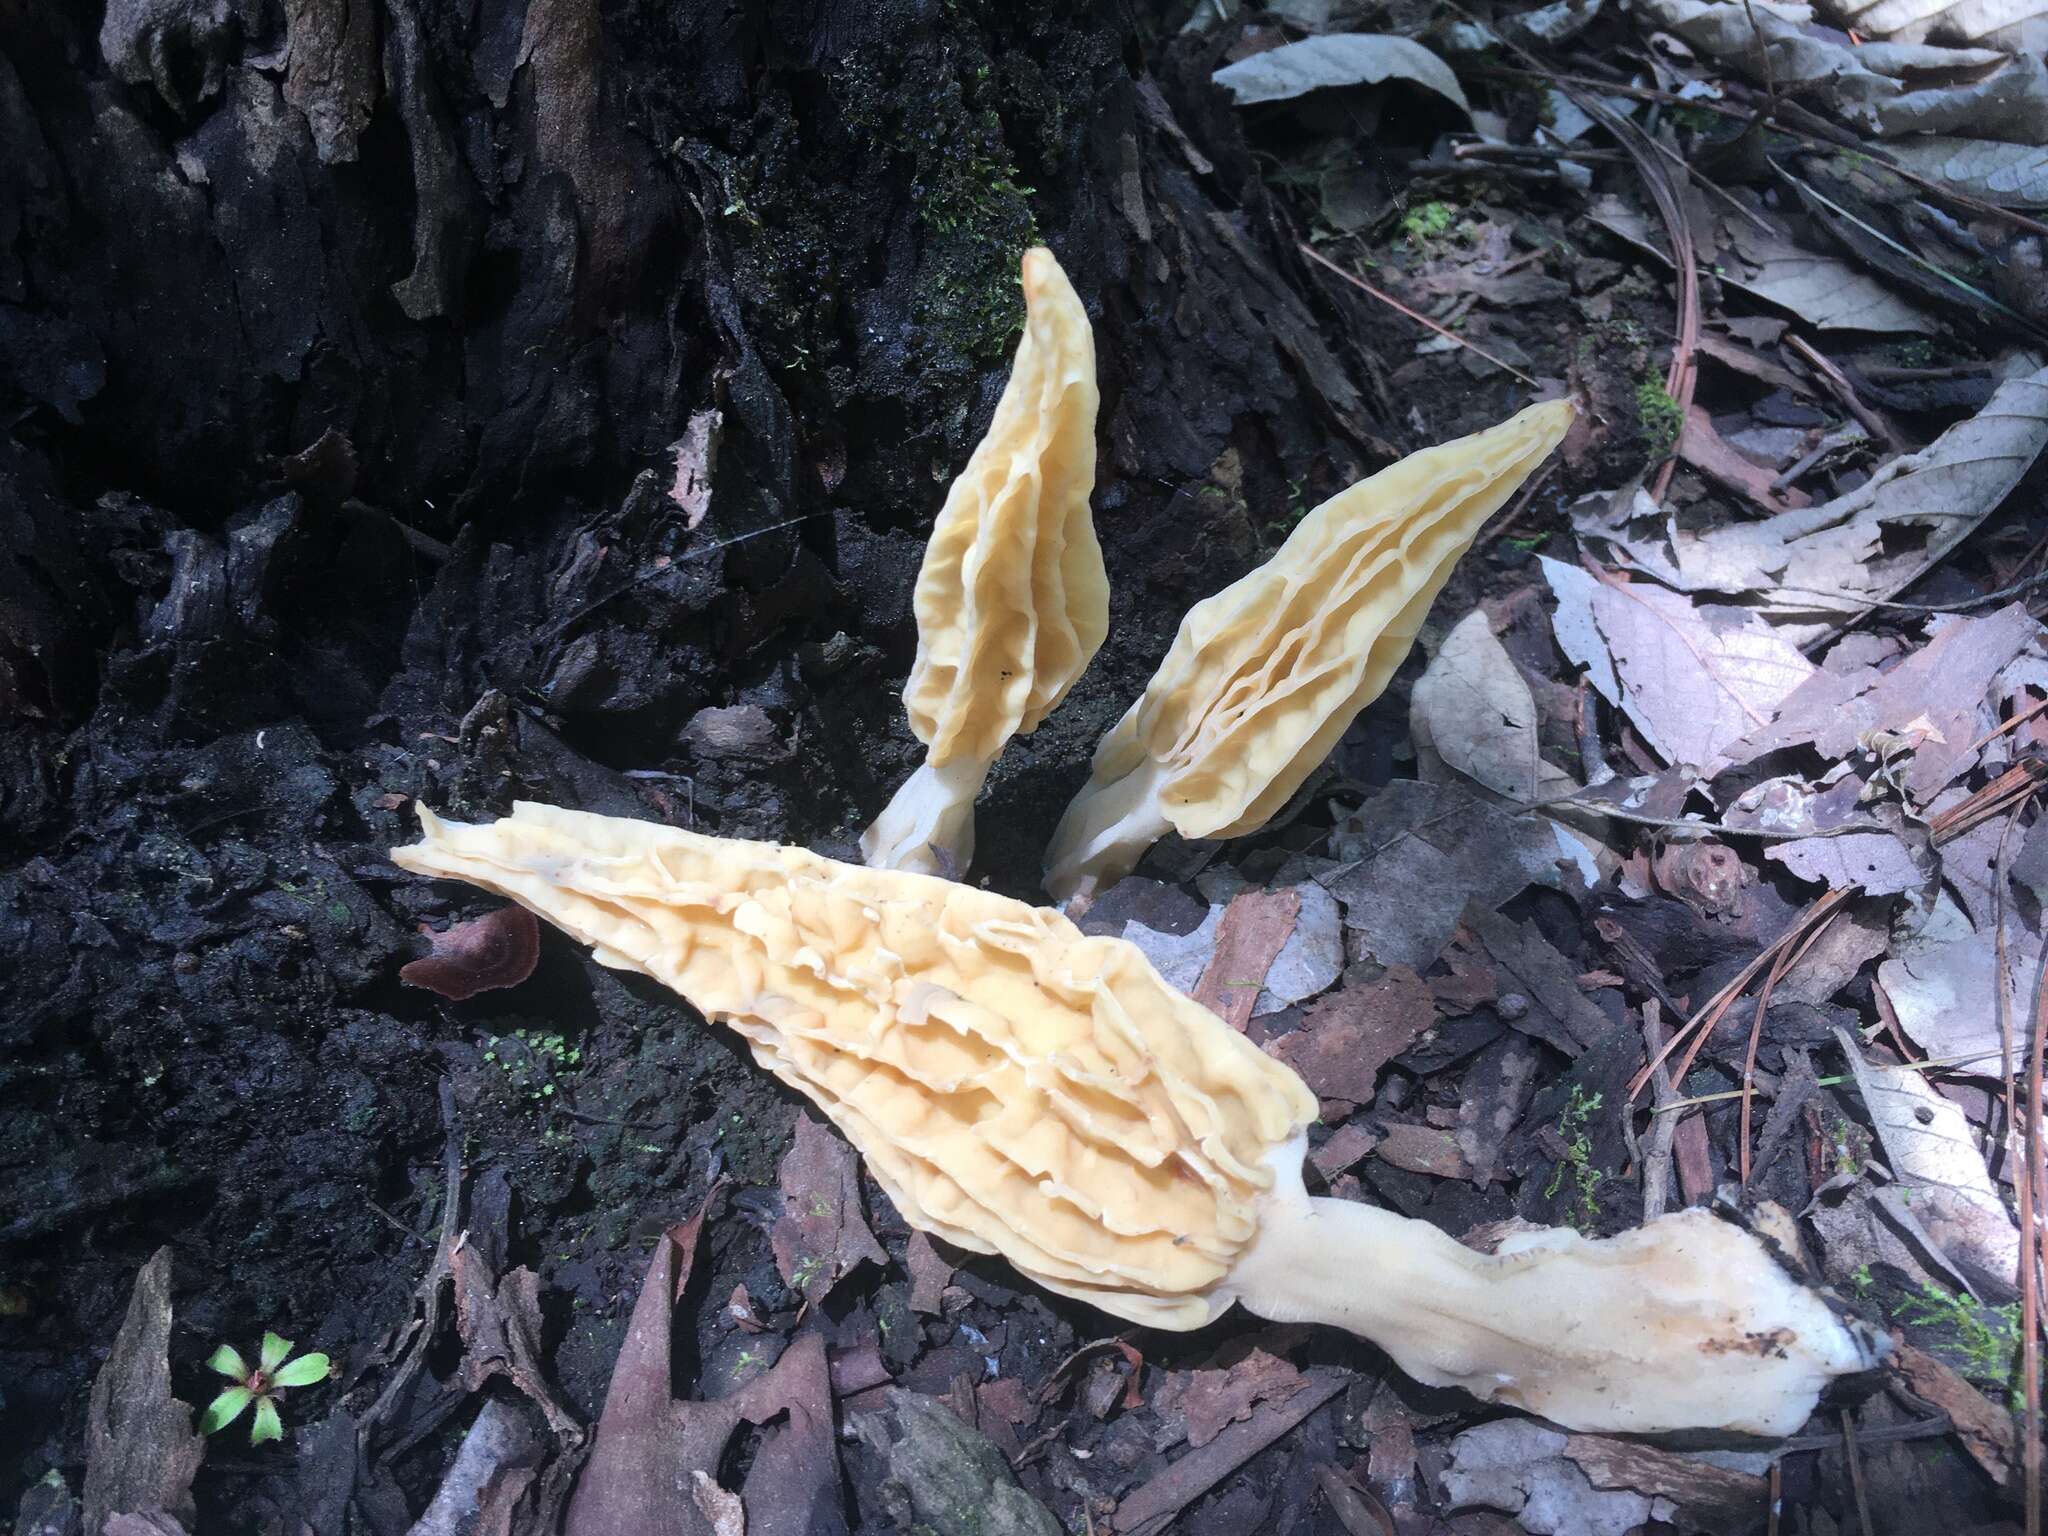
(342, 348)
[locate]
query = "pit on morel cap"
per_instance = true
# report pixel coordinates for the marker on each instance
(1266, 675)
(1012, 600)
(1019, 1088)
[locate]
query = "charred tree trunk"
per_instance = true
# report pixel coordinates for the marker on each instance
(345, 349)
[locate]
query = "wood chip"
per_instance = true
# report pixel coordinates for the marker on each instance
(1254, 930)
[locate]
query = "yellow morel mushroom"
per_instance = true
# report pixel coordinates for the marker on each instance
(1264, 676)
(1019, 1088)
(1012, 601)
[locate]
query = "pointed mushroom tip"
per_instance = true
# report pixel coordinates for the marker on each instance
(1038, 266)
(1552, 418)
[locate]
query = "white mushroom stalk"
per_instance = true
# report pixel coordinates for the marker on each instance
(1264, 676)
(1012, 601)
(1021, 1089)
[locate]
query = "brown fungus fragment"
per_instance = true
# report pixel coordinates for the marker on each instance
(484, 954)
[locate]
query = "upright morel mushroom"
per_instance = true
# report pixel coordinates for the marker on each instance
(1012, 600)
(1266, 675)
(1021, 1089)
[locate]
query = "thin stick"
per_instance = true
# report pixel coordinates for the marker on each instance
(2031, 1188)
(1932, 1064)
(1393, 303)
(2001, 872)
(1785, 962)
(1854, 1458)
(1839, 386)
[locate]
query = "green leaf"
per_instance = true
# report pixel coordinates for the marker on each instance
(274, 1351)
(229, 1362)
(303, 1372)
(268, 1425)
(224, 1410)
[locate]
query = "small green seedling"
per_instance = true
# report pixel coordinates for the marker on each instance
(259, 1386)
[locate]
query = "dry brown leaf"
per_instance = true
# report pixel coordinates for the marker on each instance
(1206, 1401)
(1692, 683)
(1472, 711)
(821, 1234)
(1348, 1036)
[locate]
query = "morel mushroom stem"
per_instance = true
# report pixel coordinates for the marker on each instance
(1684, 1323)
(929, 823)
(1101, 836)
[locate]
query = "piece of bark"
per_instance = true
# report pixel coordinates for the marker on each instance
(1349, 1035)
(141, 1451)
(1422, 1149)
(1986, 1430)
(941, 1476)
(1154, 1504)
(930, 1274)
(1347, 1147)
(1713, 1498)
(1254, 930)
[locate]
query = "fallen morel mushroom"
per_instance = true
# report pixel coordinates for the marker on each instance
(1012, 600)
(1022, 1089)
(1266, 675)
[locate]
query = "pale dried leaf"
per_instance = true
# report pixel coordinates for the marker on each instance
(1473, 711)
(1929, 1144)
(1828, 294)
(1518, 1467)
(1320, 63)
(2011, 175)
(2017, 26)
(1886, 88)
(1816, 569)
(696, 454)
(1693, 688)
(1878, 863)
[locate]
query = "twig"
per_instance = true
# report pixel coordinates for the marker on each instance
(1839, 386)
(1785, 962)
(2017, 720)
(2031, 1188)
(2001, 872)
(1657, 1161)
(1395, 304)
(1931, 1064)
(1854, 1457)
